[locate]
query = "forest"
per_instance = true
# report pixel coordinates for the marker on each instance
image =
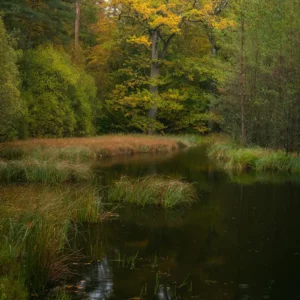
(149, 149)
(90, 67)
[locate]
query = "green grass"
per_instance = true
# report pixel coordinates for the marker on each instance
(12, 288)
(34, 226)
(35, 171)
(234, 157)
(153, 190)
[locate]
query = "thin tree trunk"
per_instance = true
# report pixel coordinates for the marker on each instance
(242, 82)
(213, 51)
(153, 86)
(77, 25)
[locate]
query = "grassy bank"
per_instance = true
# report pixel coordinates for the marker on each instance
(152, 190)
(82, 149)
(34, 225)
(68, 160)
(234, 157)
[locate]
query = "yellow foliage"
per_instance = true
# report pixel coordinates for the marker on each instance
(141, 40)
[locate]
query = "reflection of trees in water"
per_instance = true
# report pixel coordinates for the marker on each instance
(164, 292)
(101, 281)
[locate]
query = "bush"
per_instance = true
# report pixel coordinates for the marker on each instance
(58, 95)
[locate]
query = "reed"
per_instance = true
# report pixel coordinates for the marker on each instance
(34, 226)
(153, 190)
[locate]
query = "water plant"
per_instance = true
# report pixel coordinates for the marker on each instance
(152, 190)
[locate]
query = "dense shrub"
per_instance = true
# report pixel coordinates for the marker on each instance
(58, 94)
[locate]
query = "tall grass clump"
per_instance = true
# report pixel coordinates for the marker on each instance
(34, 226)
(241, 159)
(33, 248)
(277, 161)
(237, 158)
(153, 190)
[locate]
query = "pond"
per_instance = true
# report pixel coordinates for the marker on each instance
(239, 241)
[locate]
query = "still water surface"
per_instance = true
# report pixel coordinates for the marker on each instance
(240, 241)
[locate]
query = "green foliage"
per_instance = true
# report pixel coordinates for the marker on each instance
(58, 94)
(35, 22)
(270, 74)
(10, 103)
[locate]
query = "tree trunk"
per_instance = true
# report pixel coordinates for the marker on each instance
(153, 86)
(242, 82)
(213, 52)
(77, 25)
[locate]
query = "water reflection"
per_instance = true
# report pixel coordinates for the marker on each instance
(97, 282)
(240, 241)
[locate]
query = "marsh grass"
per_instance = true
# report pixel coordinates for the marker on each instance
(63, 160)
(34, 226)
(83, 149)
(238, 159)
(34, 171)
(153, 190)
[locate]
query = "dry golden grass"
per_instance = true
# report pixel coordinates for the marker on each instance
(110, 145)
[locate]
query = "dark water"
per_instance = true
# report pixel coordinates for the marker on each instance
(240, 241)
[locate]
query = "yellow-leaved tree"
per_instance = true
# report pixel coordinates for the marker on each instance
(162, 21)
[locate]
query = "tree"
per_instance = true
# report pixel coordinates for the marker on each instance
(59, 95)
(261, 102)
(34, 22)
(10, 104)
(162, 21)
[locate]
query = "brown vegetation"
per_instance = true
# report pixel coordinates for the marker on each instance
(111, 145)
